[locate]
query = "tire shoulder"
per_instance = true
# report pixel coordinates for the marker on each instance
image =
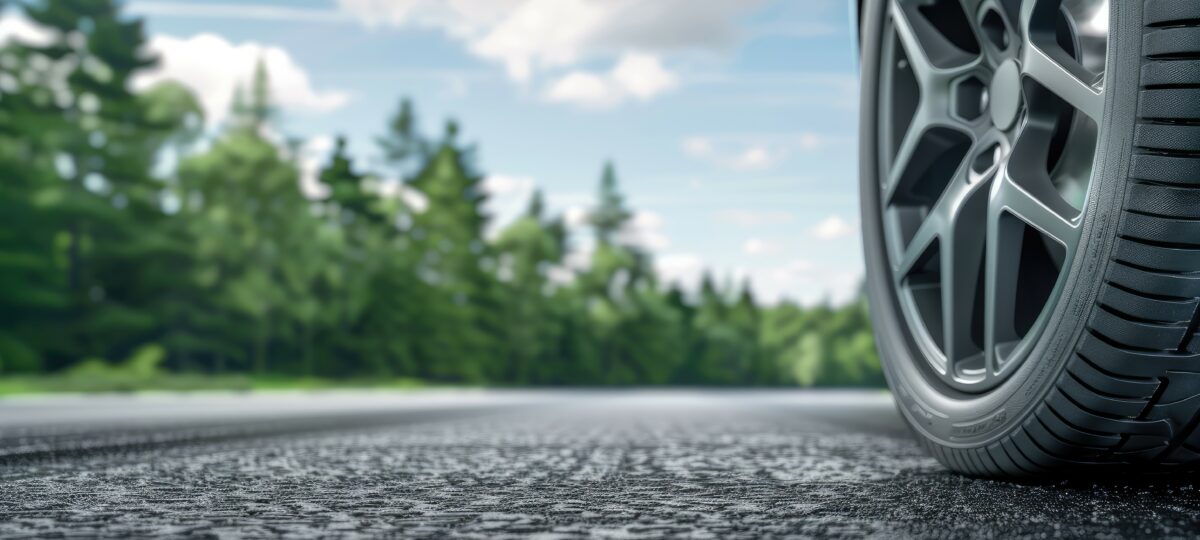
(1129, 395)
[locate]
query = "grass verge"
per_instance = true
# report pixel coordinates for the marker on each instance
(184, 382)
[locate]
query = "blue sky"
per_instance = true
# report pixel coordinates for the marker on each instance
(731, 122)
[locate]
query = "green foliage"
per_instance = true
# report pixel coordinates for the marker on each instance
(146, 361)
(140, 369)
(610, 214)
(823, 345)
(403, 144)
(17, 356)
(220, 265)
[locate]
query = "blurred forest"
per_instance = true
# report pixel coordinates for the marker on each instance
(132, 235)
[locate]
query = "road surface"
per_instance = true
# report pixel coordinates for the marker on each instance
(557, 464)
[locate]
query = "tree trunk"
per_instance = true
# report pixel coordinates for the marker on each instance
(307, 352)
(260, 348)
(73, 257)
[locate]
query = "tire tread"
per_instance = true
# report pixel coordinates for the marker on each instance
(1129, 396)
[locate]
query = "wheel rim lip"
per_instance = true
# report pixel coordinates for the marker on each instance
(1008, 355)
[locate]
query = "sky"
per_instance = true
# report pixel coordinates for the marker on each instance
(731, 122)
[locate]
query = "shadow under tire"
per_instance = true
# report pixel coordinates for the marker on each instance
(1098, 374)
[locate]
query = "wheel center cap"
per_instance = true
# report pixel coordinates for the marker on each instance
(1005, 95)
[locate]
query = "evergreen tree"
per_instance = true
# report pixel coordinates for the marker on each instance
(528, 248)
(347, 192)
(367, 250)
(260, 111)
(455, 260)
(31, 285)
(720, 352)
(610, 216)
(107, 209)
(402, 144)
(746, 320)
(251, 225)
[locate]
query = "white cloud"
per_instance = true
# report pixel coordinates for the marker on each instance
(643, 76)
(644, 230)
(758, 246)
(806, 282)
(754, 218)
(810, 142)
(393, 188)
(313, 155)
(637, 76)
(799, 280)
(833, 228)
(457, 86)
(16, 28)
(698, 146)
(462, 18)
(580, 259)
(161, 8)
(575, 217)
(750, 152)
(508, 197)
(527, 35)
(412, 198)
(584, 89)
(503, 185)
(755, 158)
(684, 269)
(213, 67)
(748, 158)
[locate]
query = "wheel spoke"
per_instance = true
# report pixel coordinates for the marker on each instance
(1007, 196)
(1004, 247)
(970, 7)
(993, 40)
(961, 268)
(925, 119)
(918, 56)
(927, 233)
(925, 46)
(904, 155)
(999, 282)
(933, 134)
(1057, 78)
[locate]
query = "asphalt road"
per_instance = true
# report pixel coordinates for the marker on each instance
(480, 464)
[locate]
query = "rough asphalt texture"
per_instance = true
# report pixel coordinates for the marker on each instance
(631, 464)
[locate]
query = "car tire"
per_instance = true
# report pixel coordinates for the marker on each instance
(1048, 329)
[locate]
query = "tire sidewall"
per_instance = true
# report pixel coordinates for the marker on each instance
(942, 415)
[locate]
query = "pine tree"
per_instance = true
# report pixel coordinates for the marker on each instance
(402, 144)
(260, 110)
(610, 215)
(455, 261)
(346, 187)
(107, 208)
(746, 320)
(718, 350)
(32, 294)
(614, 263)
(257, 245)
(528, 248)
(366, 250)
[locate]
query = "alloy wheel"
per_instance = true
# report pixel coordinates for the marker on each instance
(989, 123)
